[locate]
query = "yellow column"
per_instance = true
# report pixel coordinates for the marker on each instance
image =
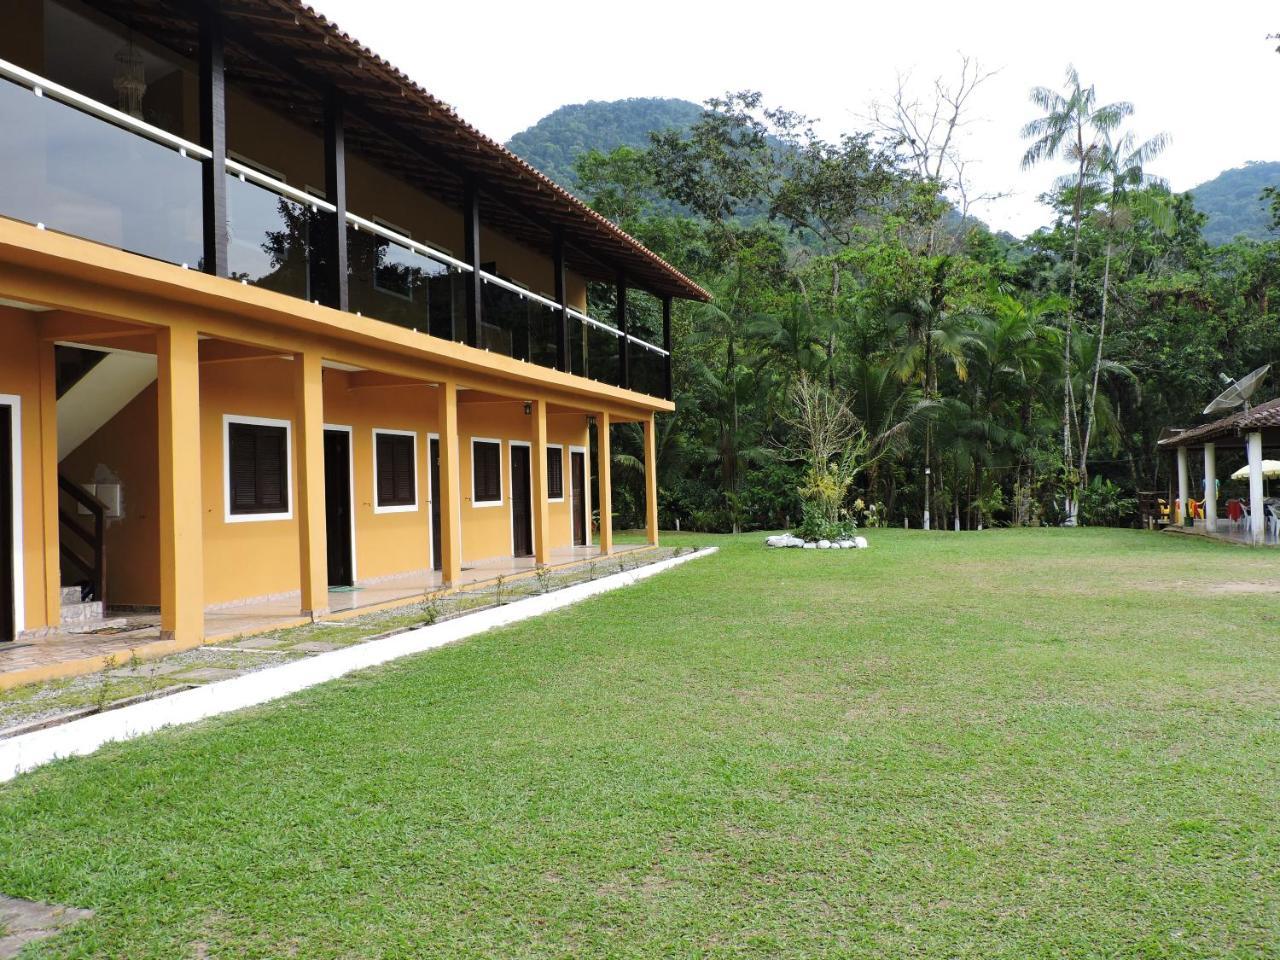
(450, 485)
(541, 512)
(181, 503)
(51, 614)
(606, 487)
(313, 556)
(651, 481)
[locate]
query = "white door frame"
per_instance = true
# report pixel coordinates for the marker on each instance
(351, 487)
(14, 403)
(431, 521)
(511, 526)
(586, 492)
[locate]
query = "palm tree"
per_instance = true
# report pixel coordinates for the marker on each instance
(931, 331)
(1073, 125)
(1128, 192)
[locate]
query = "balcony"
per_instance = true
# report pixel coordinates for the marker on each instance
(80, 167)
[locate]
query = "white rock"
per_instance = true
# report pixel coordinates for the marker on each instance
(844, 544)
(824, 544)
(811, 546)
(794, 542)
(860, 542)
(780, 541)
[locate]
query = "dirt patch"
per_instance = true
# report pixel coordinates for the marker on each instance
(26, 921)
(1242, 586)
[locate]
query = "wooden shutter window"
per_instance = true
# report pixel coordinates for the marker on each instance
(394, 453)
(555, 473)
(486, 468)
(258, 470)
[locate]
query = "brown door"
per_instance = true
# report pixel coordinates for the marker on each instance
(521, 503)
(433, 449)
(7, 625)
(578, 477)
(337, 506)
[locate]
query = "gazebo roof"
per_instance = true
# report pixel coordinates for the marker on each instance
(1264, 416)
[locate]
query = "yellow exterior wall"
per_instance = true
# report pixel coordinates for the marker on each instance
(486, 530)
(259, 558)
(20, 376)
(256, 558)
(386, 543)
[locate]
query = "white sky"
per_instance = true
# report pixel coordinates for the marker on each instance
(1204, 72)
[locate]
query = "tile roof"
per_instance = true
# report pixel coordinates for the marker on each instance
(1242, 421)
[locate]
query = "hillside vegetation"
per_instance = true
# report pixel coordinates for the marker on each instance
(1233, 203)
(554, 142)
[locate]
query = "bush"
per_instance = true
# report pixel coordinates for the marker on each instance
(816, 525)
(1105, 504)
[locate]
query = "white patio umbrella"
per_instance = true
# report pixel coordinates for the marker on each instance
(1270, 470)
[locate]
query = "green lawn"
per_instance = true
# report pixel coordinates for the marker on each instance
(1007, 744)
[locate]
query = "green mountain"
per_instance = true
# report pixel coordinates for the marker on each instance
(1233, 202)
(553, 142)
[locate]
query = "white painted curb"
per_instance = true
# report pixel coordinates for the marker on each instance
(81, 737)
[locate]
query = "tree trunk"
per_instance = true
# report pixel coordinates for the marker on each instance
(1097, 368)
(1068, 400)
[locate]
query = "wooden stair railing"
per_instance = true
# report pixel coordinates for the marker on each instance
(91, 540)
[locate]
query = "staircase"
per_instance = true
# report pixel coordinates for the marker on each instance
(85, 616)
(93, 387)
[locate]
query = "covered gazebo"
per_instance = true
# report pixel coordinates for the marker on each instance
(1251, 430)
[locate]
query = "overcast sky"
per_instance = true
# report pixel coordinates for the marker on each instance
(1203, 72)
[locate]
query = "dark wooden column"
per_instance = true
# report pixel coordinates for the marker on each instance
(213, 135)
(335, 191)
(624, 345)
(563, 359)
(666, 339)
(471, 231)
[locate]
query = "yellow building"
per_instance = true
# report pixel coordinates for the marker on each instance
(278, 324)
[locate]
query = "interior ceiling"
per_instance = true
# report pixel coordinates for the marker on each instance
(283, 56)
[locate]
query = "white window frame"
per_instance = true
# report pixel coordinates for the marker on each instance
(351, 488)
(14, 402)
(586, 493)
(533, 507)
(502, 488)
(228, 516)
(417, 499)
(564, 470)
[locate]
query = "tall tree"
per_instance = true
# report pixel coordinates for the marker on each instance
(1073, 126)
(1128, 191)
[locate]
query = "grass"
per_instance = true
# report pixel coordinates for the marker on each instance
(1008, 744)
(51, 698)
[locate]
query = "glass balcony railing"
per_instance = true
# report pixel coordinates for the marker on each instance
(81, 172)
(70, 164)
(602, 351)
(394, 279)
(517, 323)
(269, 234)
(648, 367)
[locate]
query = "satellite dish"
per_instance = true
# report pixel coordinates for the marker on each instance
(1238, 392)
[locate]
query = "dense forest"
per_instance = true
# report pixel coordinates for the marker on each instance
(874, 355)
(555, 142)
